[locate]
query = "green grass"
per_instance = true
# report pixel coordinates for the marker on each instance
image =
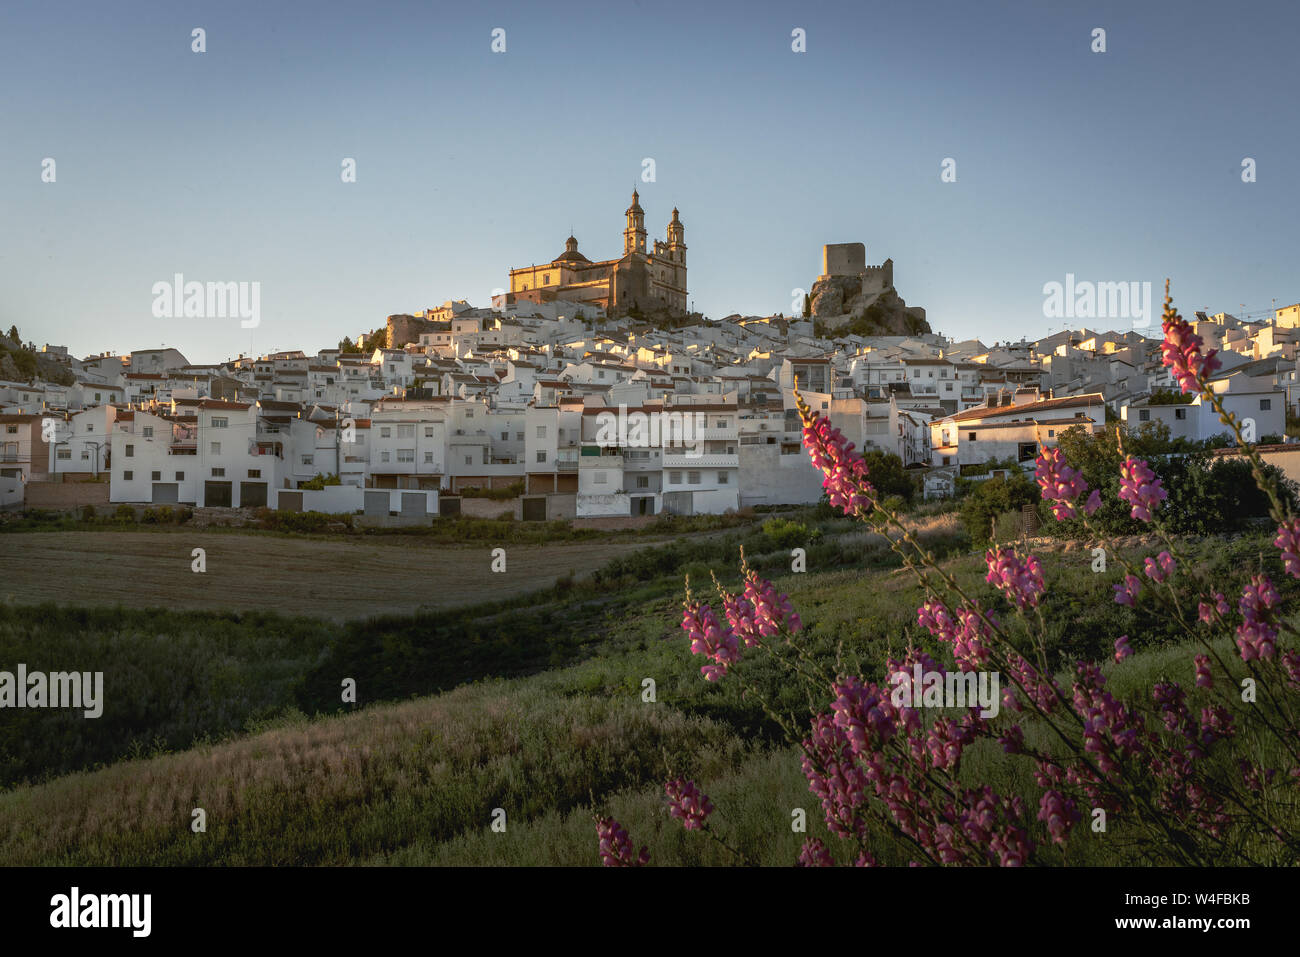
(551, 725)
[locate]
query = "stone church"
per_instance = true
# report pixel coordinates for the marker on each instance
(641, 279)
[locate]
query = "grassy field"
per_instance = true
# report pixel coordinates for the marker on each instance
(533, 706)
(333, 578)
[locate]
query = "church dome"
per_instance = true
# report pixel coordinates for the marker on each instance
(571, 253)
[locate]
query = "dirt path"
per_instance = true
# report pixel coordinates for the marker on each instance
(339, 579)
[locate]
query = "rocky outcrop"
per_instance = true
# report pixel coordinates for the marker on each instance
(839, 304)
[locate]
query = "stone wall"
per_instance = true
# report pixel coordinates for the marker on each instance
(66, 494)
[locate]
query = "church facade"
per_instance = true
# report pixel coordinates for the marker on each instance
(639, 278)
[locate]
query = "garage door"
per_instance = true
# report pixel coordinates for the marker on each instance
(288, 501)
(414, 504)
(252, 495)
(166, 493)
(535, 508)
(217, 494)
(377, 503)
(679, 503)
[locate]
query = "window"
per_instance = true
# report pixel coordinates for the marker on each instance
(519, 436)
(1144, 415)
(1265, 404)
(541, 431)
(469, 460)
(970, 436)
(254, 473)
(643, 481)
(155, 476)
(386, 432)
(469, 413)
(674, 478)
(947, 460)
(724, 422)
(63, 453)
(11, 429)
(428, 458)
(541, 455)
(128, 476)
(692, 478)
(406, 431)
(216, 448)
(722, 478)
(130, 451)
(180, 476)
(384, 455)
(1051, 433)
(505, 436)
(600, 478)
(406, 455)
(220, 422)
(147, 431)
(218, 473)
(308, 459)
(1180, 413)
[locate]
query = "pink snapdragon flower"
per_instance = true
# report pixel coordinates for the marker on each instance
(1122, 648)
(815, 854)
(1020, 579)
(1210, 613)
(1181, 350)
(1062, 485)
(1257, 635)
(1127, 593)
(845, 473)
(616, 846)
(1159, 569)
(688, 803)
(1204, 678)
(771, 611)
(710, 638)
(1288, 540)
(1059, 813)
(1140, 488)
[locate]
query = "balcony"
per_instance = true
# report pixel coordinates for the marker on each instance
(705, 460)
(602, 462)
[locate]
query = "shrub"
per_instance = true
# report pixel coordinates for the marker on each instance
(124, 513)
(783, 533)
(320, 481)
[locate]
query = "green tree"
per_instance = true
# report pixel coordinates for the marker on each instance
(985, 501)
(888, 475)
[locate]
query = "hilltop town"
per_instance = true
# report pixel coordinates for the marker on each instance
(507, 400)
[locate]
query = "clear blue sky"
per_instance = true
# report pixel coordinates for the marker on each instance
(225, 165)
